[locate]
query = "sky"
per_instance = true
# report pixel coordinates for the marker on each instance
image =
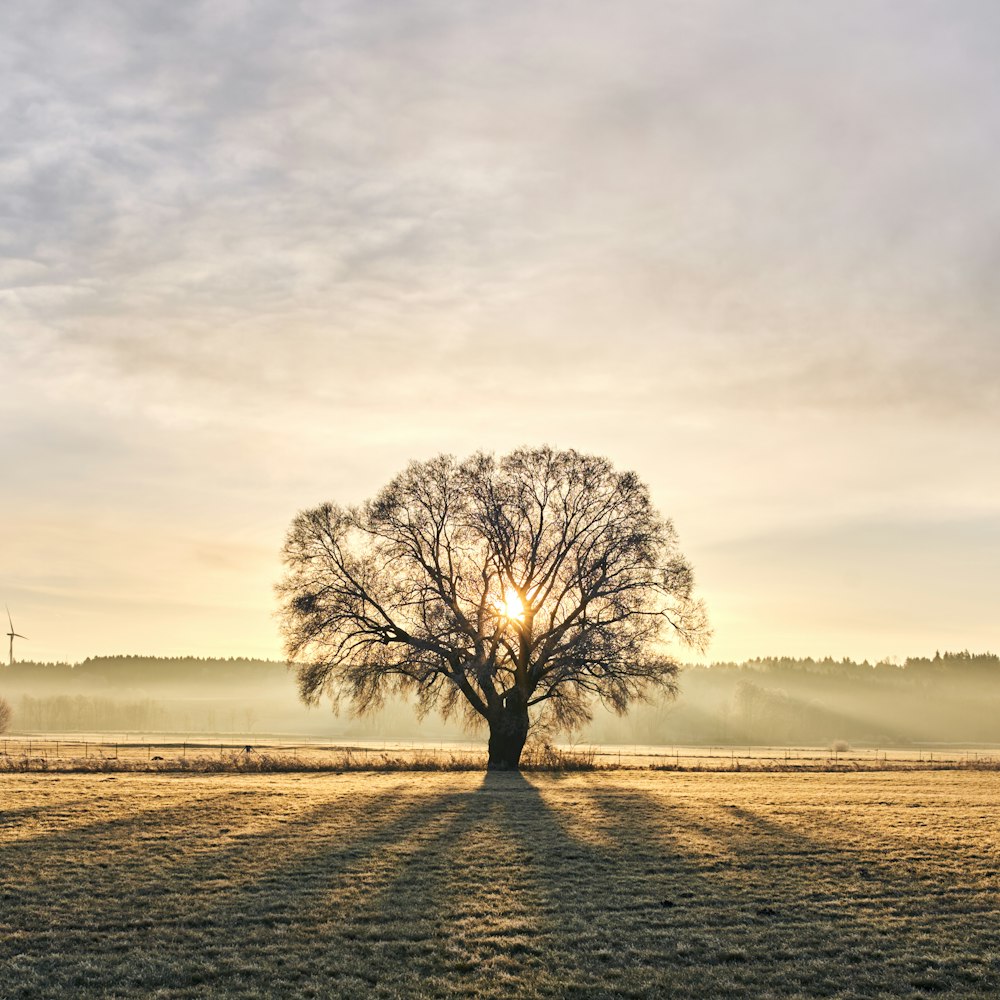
(258, 255)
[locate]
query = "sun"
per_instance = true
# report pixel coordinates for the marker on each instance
(511, 606)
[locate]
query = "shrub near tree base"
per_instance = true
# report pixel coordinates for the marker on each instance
(511, 589)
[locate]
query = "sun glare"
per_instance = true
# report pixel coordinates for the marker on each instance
(511, 606)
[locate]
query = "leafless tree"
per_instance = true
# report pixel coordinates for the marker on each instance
(5, 715)
(506, 588)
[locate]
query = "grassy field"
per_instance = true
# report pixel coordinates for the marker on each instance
(606, 884)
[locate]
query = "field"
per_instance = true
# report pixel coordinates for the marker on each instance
(601, 884)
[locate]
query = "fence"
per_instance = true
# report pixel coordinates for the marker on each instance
(160, 752)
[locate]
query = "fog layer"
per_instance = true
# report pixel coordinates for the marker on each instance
(947, 698)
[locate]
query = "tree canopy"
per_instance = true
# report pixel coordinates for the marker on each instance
(508, 588)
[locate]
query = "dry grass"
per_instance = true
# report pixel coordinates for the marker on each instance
(60, 755)
(605, 884)
(70, 754)
(153, 753)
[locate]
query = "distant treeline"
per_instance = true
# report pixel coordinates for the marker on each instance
(913, 669)
(145, 672)
(187, 694)
(950, 697)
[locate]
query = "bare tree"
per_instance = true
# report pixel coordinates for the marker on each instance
(5, 715)
(506, 588)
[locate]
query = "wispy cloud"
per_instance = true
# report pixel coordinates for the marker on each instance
(280, 248)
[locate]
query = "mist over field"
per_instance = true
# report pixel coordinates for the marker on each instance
(947, 698)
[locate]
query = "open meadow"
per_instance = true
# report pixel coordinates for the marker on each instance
(632, 884)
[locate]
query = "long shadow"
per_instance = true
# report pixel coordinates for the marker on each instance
(384, 923)
(512, 887)
(492, 891)
(418, 896)
(137, 916)
(10, 817)
(827, 917)
(454, 890)
(110, 831)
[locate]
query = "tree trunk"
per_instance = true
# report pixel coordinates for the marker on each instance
(508, 731)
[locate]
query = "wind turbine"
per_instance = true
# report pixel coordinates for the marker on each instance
(13, 635)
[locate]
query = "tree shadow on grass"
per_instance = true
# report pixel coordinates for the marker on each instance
(822, 916)
(491, 898)
(425, 909)
(503, 886)
(428, 894)
(99, 910)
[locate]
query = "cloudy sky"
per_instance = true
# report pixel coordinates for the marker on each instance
(255, 255)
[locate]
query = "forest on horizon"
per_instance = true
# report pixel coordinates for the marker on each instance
(951, 697)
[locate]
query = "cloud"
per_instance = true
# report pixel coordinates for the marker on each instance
(254, 249)
(414, 173)
(227, 198)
